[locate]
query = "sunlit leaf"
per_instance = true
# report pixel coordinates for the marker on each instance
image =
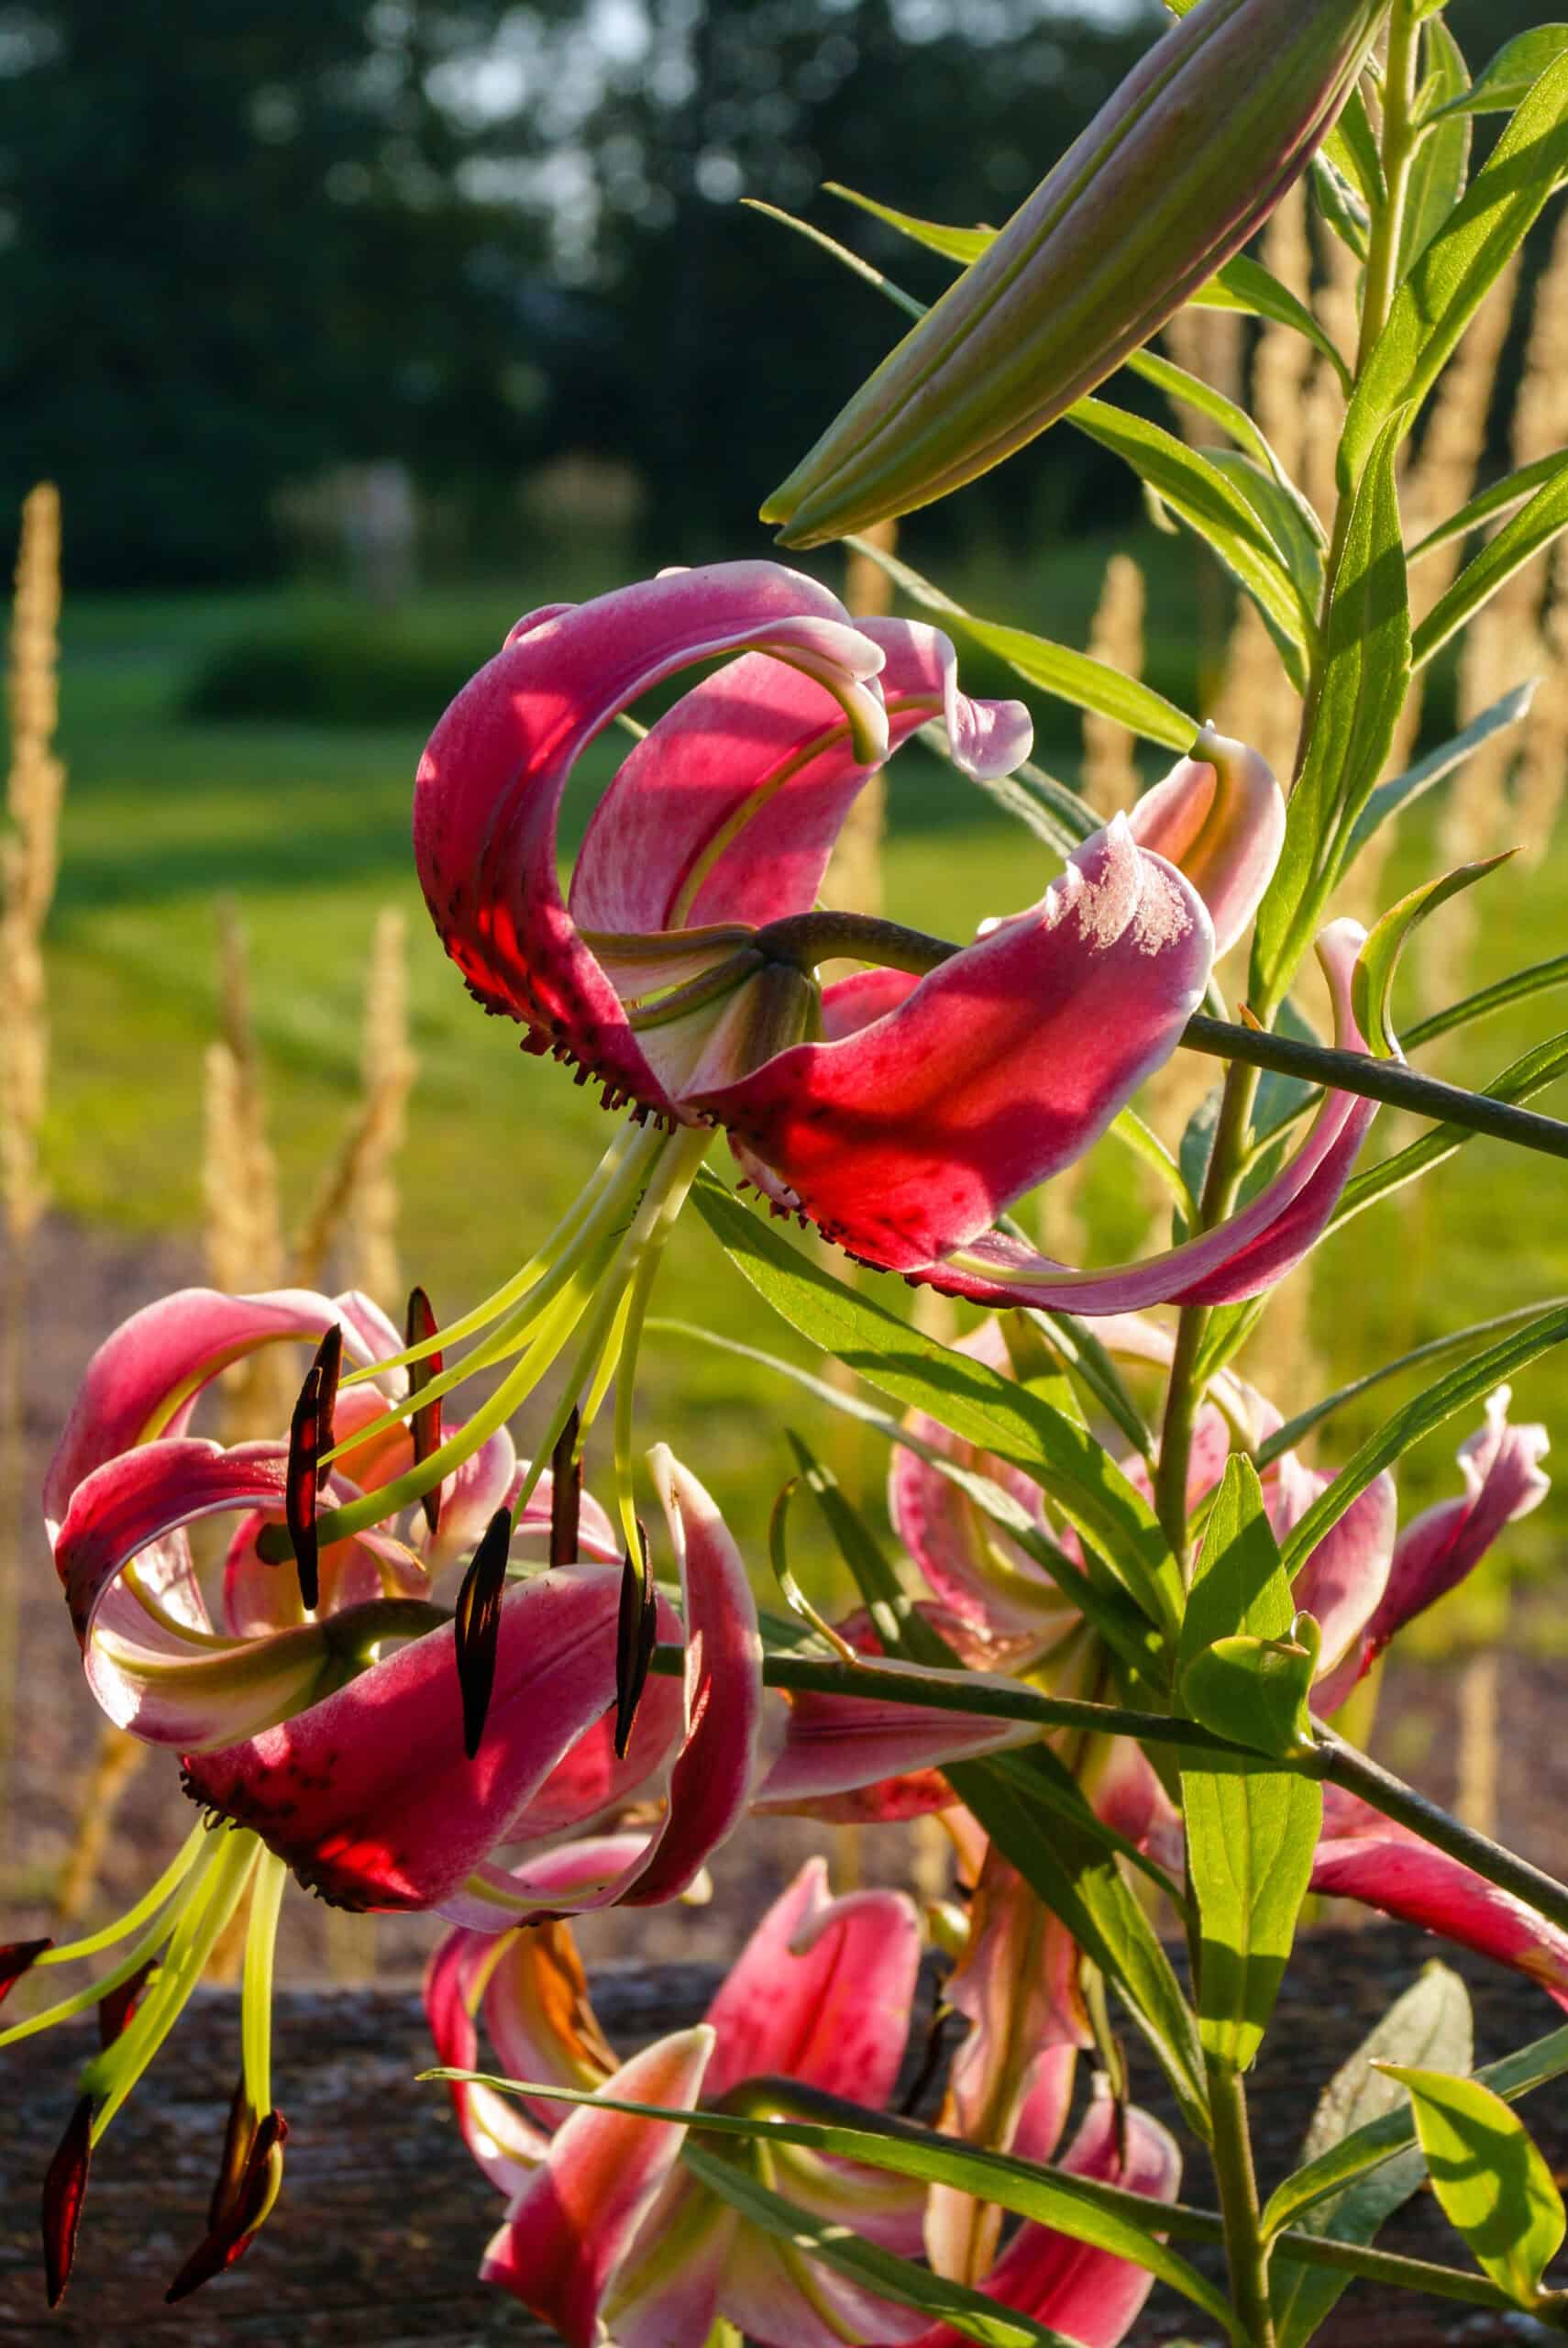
(1371, 980)
(1495, 2187)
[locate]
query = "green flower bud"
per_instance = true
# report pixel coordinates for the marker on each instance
(1177, 170)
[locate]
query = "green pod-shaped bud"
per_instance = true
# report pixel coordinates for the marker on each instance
(1182, 164)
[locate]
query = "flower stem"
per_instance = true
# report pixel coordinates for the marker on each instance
(1245, 2251)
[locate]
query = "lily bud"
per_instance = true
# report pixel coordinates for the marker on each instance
(1219, 815)
(1184, 161)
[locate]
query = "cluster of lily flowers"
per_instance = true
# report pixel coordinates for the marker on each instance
(425, 1676)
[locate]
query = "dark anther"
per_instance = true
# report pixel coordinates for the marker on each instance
(250, 2177)
(566, 1494)
(116, 2006)
(19, 1957)
(637, 1636)
(65, 2188)
(933, 2055)
(424, 1425)
(310, 1439)
(478, 1625)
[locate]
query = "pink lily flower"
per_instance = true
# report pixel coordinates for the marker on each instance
(903, 1109)
(339, 1740)
(610, 2241)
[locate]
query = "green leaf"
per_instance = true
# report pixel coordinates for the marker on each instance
(1376, 2140)
(1455, 1341)
(884, 284)
(1405, 789)
(1352, 147)
(1340, 206)
(1429, 2025)
(962, 1394)
(1441, 160)
(1125, 1630)
(1279, 508)
(1245, 285)
(1055, 668)
(1512, 73)
(1517, 542)
(1495, 2187)
(1536, 978)
(1255, 1691)
(1371, 980)
(968, 2311)
(1530, 1074)
(1250, 1839)
(961, 245)
(1202, 497)
(1366, 669)
(1487, 504)
(1179, 383)
(1434, 304)
(1471, 1383)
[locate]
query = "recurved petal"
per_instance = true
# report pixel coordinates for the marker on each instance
(576, 2217)
(1366, 1857)
(370, 1795)
(491, 780)
(495, 2127)
(161, 1671)
(1343, 1579)
(910, 1137)
(1219, 814)
(1240, 1256)
(821, 1992)
(1503, 1480)
(144, 1379)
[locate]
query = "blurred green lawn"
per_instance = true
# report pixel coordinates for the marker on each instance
(306, 828)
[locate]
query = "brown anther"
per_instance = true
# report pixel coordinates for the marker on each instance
(424, 1425)
(566, 1493)
(116, 2006)
(17, 1958)
(636, 1635)
(310, 1439)
(251, 2176)
(65, 2189)
(476, 1626)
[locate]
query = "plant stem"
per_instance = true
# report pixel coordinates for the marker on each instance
(1399, 147)
(1245, 2252)
(1330, 1758)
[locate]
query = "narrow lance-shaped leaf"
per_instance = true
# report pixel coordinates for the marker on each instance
(1472, 1382)
(1495, 2187)
(1203, 497)
(1435, 304)
(1429, 2025)
(1392, 797)
(1250, 1839)
(1056, 668)
(1366, 669)
(1519, 540)
(1509, 77)
(961, 1394)
(1441, 160)
(1372, 982)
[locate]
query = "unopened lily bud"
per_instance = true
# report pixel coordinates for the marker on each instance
(1186, 159)
(1220, 816)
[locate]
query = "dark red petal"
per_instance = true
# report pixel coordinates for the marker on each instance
(566, 1494)
(65, 2188)
(310, 1439)
(636, 1635)
(117, 2007)
(424, 1426)
(15, 1959)
(242, 2199)
(478, 1625)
